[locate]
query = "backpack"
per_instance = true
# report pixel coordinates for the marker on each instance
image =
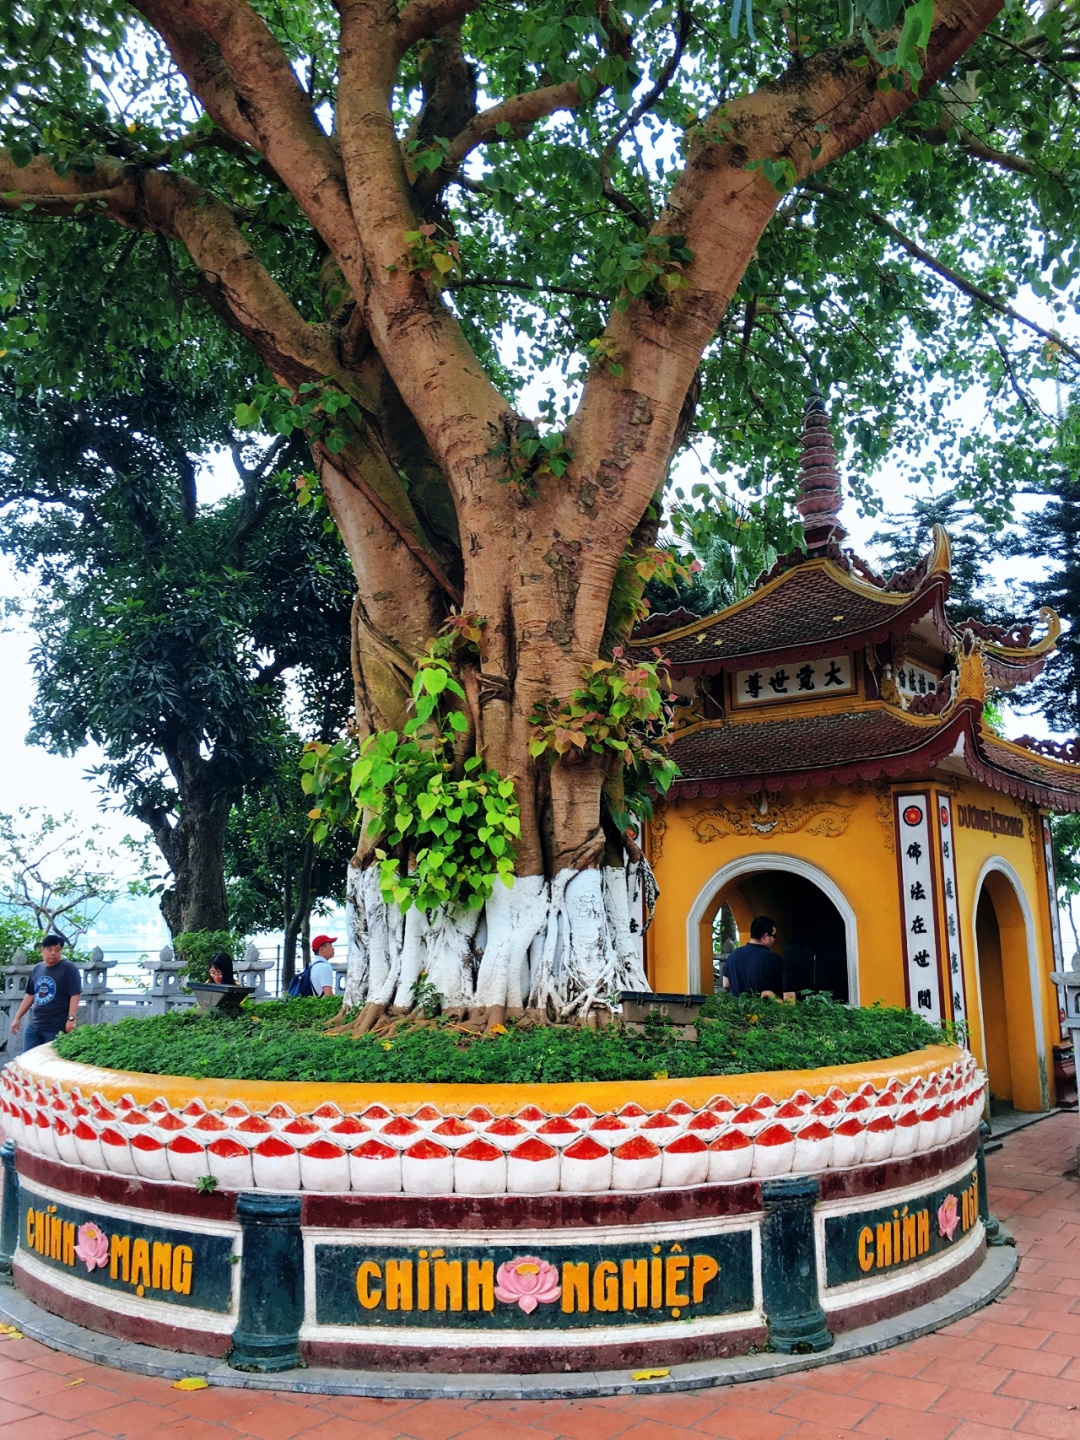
(300, 986)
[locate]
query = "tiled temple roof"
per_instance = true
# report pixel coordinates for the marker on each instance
(842, 745)
(810, 610)
(732, 758)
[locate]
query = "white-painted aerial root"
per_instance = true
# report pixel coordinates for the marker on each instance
(560, 945)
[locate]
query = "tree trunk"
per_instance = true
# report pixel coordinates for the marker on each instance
(193, 845)
(195, 854)
(299, 917)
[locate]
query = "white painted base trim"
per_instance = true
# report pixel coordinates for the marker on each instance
(180, 1317)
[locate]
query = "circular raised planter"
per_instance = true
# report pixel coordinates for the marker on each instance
(464, 1228)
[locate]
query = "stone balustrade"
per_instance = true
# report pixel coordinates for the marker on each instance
(102, 1005)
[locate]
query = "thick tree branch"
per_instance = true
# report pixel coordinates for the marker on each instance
(823, 107)
(236, 282)
(200, 62)
(420, 19)
(946, 272)
(276, 111)
(520, 112)
(426, 353)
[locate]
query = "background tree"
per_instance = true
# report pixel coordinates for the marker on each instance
(166, 627)
(53, 876)
(1051, 538)
(972, 538)
(276, 877)
(413, 216)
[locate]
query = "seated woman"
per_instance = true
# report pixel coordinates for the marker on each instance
(221, 969)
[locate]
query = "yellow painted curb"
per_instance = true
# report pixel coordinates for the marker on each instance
(304, 1096)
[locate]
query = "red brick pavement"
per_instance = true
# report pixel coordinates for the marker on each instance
(1011, 1370)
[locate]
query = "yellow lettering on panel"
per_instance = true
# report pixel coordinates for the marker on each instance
(480, 1284)
(866, 1248)
(365, 1273)
(575, 1287)
(161, 1265)
(119, 1257)
(922, 1225)
(183, 1264)
(399, 1284)
(656, 1282)
(423, 1284)
(56, 1237)
(635, 1284)
(41, 1244)
(706, 1268)
(605, 1289)
(884, 1245)
(676, 1268)
(140, 1262)
(448, 1284)
(31, 1238)
(69, 1242)
(908, 1226)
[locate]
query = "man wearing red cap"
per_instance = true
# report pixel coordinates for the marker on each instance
(320, 971)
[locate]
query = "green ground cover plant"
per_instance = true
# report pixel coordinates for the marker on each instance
(285, 1040)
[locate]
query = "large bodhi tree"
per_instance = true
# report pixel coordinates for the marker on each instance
(374, 197)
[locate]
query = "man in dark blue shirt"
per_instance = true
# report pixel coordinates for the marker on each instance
(754, 969)
(53, 990)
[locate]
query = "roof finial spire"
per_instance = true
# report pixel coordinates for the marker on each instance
(820, 494)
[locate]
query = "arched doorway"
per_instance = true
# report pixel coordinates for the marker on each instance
(1008, 989)
(804, 902)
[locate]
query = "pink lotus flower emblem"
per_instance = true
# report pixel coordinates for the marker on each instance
(93, 1247)
(948, 1217)
(527, 1281)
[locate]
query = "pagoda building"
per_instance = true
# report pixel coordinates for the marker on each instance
(838, 775)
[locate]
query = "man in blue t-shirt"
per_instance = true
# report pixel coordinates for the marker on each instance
(53, 990)
(754, 969)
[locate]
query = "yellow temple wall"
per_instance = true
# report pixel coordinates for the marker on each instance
(842, 840)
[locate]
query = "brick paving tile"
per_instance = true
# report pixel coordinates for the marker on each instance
(185, 1427)
(523, 1412)
(656, 1430)
(1050, 1421)
(737, 1422)
(986, 1378)
(917, 1394)
(1030, 1362)
(75, 1401)
(947, 1347)
(583, 1420)
(974, 1430)
(487, 1428)
(833, 1379)
(814, 1430)
(1046, 1388)
(440, 1419)
(336, 1427)
(42, 1427)
(373, 1410)
(1028, 1338)
(905, 1360)
(355, 1429)
(686, 1409)
(1000, 1410)
(274, 1420)
(134, 1418)
(893, 1422)
(840, 1410)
